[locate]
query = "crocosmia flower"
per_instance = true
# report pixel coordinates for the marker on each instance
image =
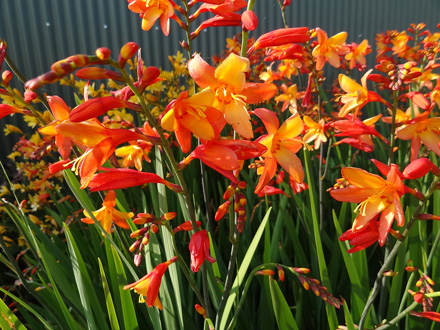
(148, 286)
(231, 92)
(329, 49)
(375, 195)
(151, 11)
(282, 145)
(107, 214)
(199, 250)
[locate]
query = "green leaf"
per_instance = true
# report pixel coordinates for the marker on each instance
(283, 314)
(108, 300)
(243, 269)
(86, 289)
(348, 319)
(123, 301)
(8, 320)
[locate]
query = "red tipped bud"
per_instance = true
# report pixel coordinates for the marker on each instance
(280, 273)
(265, 272)
(154, 228)
(143, 218)
(94, 73)
(146, 239)
(6, 77)
(222, 210)
(411, 269)
(127, 52)
(241, 185)
(229, 191)
(103, 53)
(390, 273)
(29, 96)
(135, 246)
(139, 232)
(301, 270)
(186, 226)
(249, 21)
(200, 310)
(169, 216)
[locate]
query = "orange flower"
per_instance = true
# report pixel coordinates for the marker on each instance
(357, 96)
(356, 57)
(421, 129)
(315, 132)
(375, 195)
(193, 114)
(289, 97)
(329, 49)
(148, 286)
(107, 214)
(282, 145)
(231, 93)
(151, 11)
(60, 111)
(101, 143)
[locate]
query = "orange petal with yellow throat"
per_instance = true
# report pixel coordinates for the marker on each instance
(361, 178)
(202, 73)
(291, 163)
(292, 127)
(231, 71)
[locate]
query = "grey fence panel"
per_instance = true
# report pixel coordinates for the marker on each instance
(40, 32)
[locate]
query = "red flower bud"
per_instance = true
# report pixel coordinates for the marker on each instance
(222, 210)
(127, 52)
(103, 53)
(29, 96)
(418, 168)
(6, 77)
(249, 21)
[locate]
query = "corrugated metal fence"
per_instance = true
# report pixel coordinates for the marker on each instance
(40, 32)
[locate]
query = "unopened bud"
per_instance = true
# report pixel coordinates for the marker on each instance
(222, 210)
(249, 21)
(143, 218)
(411, 269)
(265, 272)
(139, 232)
(134, 246)
(301, 270)
(280, 273)
(169, 216)
(154, 228)
(137, 259)
(146, 239)
(29, 96)
(127, 52)
(6, 77)
(200, 310)
(103, 53)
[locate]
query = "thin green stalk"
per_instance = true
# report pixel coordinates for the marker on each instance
(393, 252)
(233, 238)
(283, 14)
(405, 312)
(245, 33)
(23, 79)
